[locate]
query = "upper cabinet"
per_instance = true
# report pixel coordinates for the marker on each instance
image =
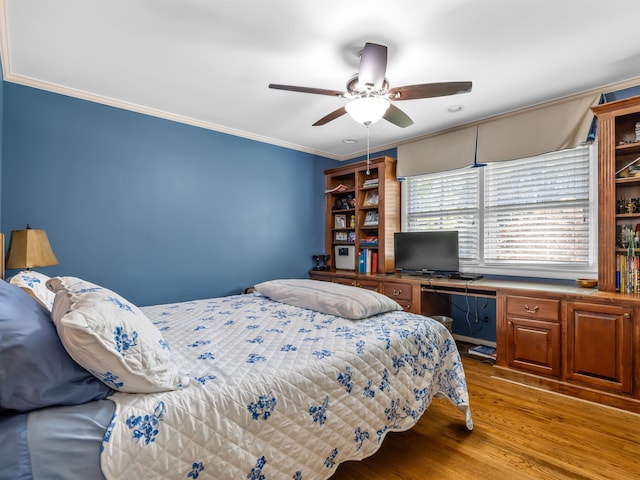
(618, 194)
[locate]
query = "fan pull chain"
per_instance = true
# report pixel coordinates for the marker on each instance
(368, 136)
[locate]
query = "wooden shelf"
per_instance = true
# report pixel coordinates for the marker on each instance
(628, 180)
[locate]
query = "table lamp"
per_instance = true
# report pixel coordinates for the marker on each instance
(29, 248)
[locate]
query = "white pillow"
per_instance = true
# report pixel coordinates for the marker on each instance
(112, 338)
(34, 284)
(327, 297)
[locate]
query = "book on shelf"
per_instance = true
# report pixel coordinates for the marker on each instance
(367, 261)
(371, 182)
(483, 351)
(337, 189)
(361, 261)
(369, 242)
(627, 274)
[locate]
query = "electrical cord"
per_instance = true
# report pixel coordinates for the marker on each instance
(467, 310)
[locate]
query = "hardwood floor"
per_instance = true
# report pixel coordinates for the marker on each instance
(519, 433)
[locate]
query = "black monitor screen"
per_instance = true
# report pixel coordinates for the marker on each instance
(435, 251)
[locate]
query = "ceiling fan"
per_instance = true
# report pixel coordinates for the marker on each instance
(370, 94)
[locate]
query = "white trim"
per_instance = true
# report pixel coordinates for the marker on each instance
(71, 92)
(9, 76)
(4, 38)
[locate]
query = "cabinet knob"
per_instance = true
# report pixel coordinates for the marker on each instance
(531, 310)
(626, 315)
(396, 293)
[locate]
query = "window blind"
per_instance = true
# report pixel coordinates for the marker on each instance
(446, 201)
(536, 210)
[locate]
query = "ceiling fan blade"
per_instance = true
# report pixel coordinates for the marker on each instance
(428, 90)
(332, 116)
(373, 66)
(397, 117)
(319, 91)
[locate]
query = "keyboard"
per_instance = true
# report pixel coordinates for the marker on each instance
(465, 276)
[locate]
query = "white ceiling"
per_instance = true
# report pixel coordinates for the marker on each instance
(208, 62)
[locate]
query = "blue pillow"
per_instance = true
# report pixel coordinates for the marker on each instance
(35, 369)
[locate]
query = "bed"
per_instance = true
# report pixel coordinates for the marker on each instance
(249, 386)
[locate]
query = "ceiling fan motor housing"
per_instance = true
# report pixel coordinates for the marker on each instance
(355, 89)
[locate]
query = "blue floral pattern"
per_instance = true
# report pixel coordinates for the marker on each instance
(319, 412)
(258, 364)
(263, 407)
(124, 341)
(196, 469)
(108, 378)
(147, 427)
(256, 472)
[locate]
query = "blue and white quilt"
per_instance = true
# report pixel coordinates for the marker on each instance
(278, 391)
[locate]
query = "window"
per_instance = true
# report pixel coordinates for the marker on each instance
(446, 201)
(531, 217)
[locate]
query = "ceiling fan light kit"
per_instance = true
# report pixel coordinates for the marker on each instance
(369, 91)
(367, 110)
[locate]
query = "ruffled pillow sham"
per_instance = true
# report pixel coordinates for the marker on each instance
(112, 338)
(34, 283)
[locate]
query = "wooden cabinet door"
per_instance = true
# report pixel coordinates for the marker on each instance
(599, 346)
(533, 345)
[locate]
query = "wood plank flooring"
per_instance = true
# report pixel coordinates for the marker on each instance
(519, 433)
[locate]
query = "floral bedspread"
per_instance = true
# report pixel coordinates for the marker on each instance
(278, 391)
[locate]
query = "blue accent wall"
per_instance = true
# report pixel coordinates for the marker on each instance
(156, 210)
(474, 317)
(1, 134)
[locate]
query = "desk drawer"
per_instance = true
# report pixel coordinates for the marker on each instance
(542, 308)
(398, 291)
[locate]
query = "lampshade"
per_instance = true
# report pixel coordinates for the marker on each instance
(29, 248)
(367, 110)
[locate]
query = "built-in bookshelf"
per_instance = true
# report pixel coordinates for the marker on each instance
(362, 213)
(619, 195)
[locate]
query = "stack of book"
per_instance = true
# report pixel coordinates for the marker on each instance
(483, 351)
(370, 182)
(368, 261)
(627, 274)
(369, 242)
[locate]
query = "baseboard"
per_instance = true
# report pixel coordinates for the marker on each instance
(474, 341)
(563, 388)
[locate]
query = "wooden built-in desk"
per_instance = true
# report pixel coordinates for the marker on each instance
(574, 340)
